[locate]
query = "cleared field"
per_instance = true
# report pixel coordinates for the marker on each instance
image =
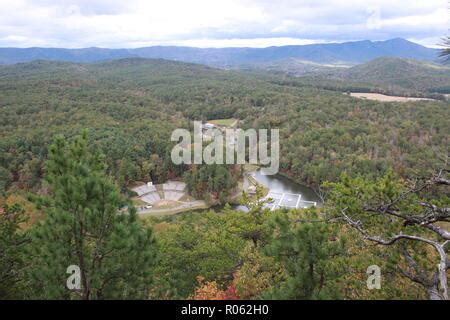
(224, 122)
(385, 98)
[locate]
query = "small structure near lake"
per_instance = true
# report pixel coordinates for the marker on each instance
(287, 200)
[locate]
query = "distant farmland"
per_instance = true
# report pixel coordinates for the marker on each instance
(385, 98)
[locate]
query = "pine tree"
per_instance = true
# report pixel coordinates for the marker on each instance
(309, 252)
(255, 228)
(409, 216)
(88, 225)
(445, 52)
(12, 242)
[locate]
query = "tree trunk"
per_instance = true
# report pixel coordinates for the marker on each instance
(433, 293)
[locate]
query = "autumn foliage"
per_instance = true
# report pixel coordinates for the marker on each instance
(210, 290)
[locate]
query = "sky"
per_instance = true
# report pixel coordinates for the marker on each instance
(217, 23)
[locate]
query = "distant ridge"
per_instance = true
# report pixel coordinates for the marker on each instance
(355, 52)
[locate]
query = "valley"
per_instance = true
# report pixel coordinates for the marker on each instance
(348, 137)
(224, 159)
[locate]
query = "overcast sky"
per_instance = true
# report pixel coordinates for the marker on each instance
(217, 23)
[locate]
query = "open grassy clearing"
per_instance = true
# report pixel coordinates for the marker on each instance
(385, 98)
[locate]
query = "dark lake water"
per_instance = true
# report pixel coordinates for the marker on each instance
(283, 184)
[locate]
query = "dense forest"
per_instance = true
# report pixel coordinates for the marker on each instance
(131, 106)
(65, 190)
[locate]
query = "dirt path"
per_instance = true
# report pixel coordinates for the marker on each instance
(185, 206)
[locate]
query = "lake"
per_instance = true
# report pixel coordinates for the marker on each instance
(279, 183)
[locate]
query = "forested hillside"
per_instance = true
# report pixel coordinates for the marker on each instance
(132, 105)
(396, 73)
(65, 190)
(351, 52)
(387, 75)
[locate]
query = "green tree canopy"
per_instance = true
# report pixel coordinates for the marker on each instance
(310, 252)
(88, 225)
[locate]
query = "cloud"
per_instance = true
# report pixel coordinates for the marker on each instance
(133, 23)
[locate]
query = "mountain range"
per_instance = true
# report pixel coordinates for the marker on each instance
(348, 53)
